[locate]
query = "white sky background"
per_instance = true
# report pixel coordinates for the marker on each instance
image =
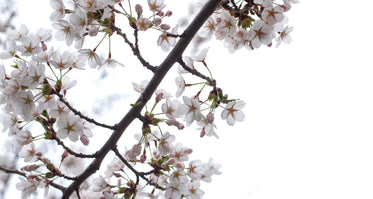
(309, 108)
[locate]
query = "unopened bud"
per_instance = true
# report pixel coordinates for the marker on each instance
(29, 168)
(168, 13)
(164, 26)
(171, 161)
(44, 46)
(157, 21)
(159, 97)
(138, 9)
(210, 118)
(85, 140)
(180, 165)
(142, 158)
(160, 13)
(163, 165)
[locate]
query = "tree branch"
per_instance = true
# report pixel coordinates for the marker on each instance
(78, 113)
(159, 74)
(15, 171)
(135, 48)
(193, 71)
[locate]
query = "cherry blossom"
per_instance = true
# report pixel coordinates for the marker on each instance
(140, 87)
(232, 112)
(165, 143)
(99, 184)
(65, 31)
(29, 153)
(156, 5)
(59, 10)
(94, 60)
(193, 110)
(260, 33)
(69, 126)
(173, 109)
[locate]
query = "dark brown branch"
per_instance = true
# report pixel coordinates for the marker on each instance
(193, 71)
(135, 48)
(78, 113)
(15, 171)
(79, 155)
(135, 111)
(138, 174)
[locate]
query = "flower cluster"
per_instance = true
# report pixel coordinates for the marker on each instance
(249, 24)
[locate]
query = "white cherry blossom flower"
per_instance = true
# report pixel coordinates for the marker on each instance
(69, 126)
(273, 15)
(36, 74)
(65, 31)
(207, 126)
(181, 153)
(180, 83)
(10, 50)
(61, 61)
(44, 56)
(43, 34)
(210, 168)
(174, 192)
(94, 59)
(18, 35)
(111, 63)
(156, 5)
(166, 42)
(143, 24)
(29, 46)
(232, 112)
(59, 10)
(29, 153)
(195, 170)
(115, 165)
(284, 36)
(24, 101)
(27, 187)
(58, 109)
(99, 184)
(193, 110)
(193, 190)
(79, 20)
(165, 145)
(260, 33)
(227, 25)
(178, 177)
(208, 29)
(173, 109)
(140, 87)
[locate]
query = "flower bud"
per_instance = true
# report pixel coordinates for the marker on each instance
(168, 13)
(85, 140)
(138, 9)
(164, 26)
(157, 21)
(29, 168)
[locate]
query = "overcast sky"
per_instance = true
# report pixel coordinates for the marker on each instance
(309, 109)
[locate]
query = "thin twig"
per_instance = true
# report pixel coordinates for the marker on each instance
(15, 171)
(134, 48)
(78, 113)
(193, 71)
(138, 174)
(79, 155)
